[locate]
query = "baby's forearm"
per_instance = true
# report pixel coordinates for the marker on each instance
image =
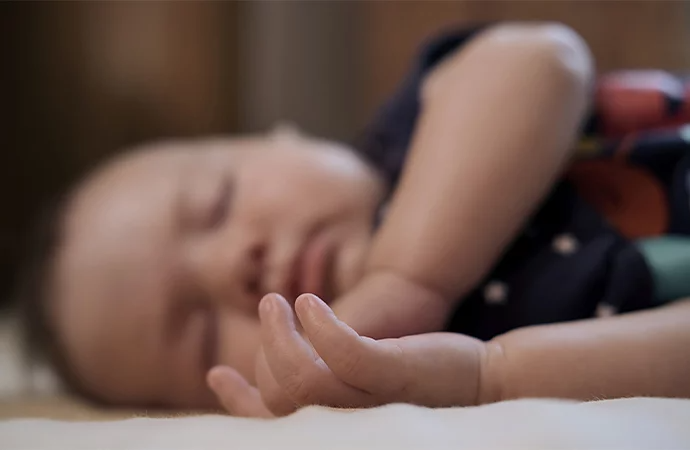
(497, 124)
(498, 119)
(387, 305)
(638, 354)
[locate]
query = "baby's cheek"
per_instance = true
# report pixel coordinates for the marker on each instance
(239, 338)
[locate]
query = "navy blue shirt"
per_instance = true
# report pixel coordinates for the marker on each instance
(572, 260)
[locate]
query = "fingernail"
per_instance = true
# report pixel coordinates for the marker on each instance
(312, 301)
(305, 301)
(215, 378)
(266, 304)
(315, 301)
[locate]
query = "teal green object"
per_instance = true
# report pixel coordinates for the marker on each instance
(668, 258)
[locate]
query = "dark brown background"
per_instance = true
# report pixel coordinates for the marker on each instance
(80, 80)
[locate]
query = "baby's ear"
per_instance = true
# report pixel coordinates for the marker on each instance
(283, 131)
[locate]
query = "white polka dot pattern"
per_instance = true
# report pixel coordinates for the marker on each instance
(496, 293)
(605, 310)
(565, 244)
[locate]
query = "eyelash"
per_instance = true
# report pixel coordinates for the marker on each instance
(220, 207)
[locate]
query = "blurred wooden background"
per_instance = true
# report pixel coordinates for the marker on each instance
(80, 80)
(621, 34)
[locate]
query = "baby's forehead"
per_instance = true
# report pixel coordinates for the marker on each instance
(106, 221)
(125, 170)
(130, 202)
(166, 160)
(122, 184)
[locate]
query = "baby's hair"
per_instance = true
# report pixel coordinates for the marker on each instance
(34, 292)
(35, 287)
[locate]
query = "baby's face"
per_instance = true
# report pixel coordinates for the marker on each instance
(168, 251)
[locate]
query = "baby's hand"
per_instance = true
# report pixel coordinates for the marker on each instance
(342, 369)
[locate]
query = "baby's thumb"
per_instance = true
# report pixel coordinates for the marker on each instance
(235, 394)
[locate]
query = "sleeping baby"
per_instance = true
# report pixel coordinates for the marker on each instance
(466, 250)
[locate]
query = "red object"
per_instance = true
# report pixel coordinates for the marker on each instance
(631, 101)
(629, 197)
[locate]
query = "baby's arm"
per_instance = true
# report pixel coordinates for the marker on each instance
(638, 354)
(498, 119)
(328, 363)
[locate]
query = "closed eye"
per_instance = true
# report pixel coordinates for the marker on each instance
(220, 207)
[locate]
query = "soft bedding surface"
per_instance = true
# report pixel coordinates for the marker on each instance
(51, 422)
(656, 424)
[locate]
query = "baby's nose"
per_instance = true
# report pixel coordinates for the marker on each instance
(244, 282)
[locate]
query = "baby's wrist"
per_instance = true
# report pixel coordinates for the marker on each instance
(385, 304)
(419, 308)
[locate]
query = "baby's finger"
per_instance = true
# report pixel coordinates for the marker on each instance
(295, 365)
(237, 396)
(377, 367)
(272, 394)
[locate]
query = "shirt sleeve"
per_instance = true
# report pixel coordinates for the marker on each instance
(385, 141)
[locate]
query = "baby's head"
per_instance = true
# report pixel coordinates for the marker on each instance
(162, 255)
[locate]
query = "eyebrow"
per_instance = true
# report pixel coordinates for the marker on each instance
(178, 206)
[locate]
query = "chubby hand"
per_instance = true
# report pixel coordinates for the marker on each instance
(330, 364)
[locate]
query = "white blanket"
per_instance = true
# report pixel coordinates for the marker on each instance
(655, 424)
